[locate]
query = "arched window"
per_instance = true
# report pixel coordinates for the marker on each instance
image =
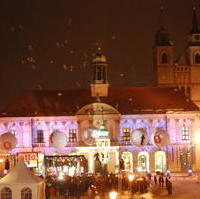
(26, 193)
(143, 161)
(164, 58)
(185, 133)
(197, 58)
(160, 161)
(6, 193)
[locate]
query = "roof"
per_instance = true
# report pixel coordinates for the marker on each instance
(128, 100)
(20, 174)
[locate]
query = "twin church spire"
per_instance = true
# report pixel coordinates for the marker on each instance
(182, 72)
(162, 36)
(194, 35)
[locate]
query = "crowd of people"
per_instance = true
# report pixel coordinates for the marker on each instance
(163, 181)
(96, 186)
(77, 186)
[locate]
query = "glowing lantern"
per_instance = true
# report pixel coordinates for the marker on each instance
(58, 139)
(139, 137)
(8, 141)
(160, 138)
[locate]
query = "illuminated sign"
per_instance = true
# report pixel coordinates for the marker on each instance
(30, 158)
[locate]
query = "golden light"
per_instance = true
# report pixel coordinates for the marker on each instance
(60, 176)
(1, 160)
(139, 169)
(197, 138)
(113, 195)
(131, 177)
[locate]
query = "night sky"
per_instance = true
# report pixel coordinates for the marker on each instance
(48, 44)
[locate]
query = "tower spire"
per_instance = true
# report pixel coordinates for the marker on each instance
(195, 29)
(162, 37)
(194, 35)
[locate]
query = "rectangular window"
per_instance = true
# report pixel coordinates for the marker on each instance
(126, 135)
(72, 135)
(40, 136)
(185, 133)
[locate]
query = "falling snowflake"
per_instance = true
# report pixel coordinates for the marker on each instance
(113, 37)
(78, 84)
(57, 44)
(20, 26)
(33, 67)
(62, 45)
(59, 94)
(71, 68)
(65, 67)
(12, 28)
(30, 48)
(84, 64)
(69, 23)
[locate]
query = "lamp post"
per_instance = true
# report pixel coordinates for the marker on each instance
(113, 195)
(130, 178)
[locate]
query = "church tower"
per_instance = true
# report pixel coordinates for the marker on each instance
(99, 85)
(193, 58)
(183, 73)
(163, 56)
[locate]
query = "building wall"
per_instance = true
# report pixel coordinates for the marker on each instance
(171, 123)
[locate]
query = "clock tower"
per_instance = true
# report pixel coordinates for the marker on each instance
(99, 85)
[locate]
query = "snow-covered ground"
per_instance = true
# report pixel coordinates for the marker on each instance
(182, 188)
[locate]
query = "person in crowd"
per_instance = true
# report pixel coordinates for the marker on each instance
(155, 179)
(169, 187)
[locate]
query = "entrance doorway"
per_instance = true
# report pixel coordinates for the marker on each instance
(128, 161)
(160, 161)
(143, 161)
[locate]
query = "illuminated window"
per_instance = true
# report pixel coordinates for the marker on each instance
(197, 58)
(26, 193)
(6, 193)
(40, 136)
(164, 58)
(72, 135)
(185, 133)
(126, 134)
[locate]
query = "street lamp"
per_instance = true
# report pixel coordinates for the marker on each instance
(130, 178)
(113, 195)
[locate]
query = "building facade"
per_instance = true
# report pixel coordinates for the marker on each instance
(182, 72)
(105, 129)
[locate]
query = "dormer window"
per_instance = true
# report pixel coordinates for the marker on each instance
(164, 58)
(197, 58)
(126, 135)
(185, 133)
(40, 136)
(72, 135)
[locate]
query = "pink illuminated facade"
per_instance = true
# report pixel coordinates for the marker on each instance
(144, 129)
(112, 129)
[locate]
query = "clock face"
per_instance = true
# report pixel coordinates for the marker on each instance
(89, 136)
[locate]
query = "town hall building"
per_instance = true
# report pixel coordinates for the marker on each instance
(131, 129)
